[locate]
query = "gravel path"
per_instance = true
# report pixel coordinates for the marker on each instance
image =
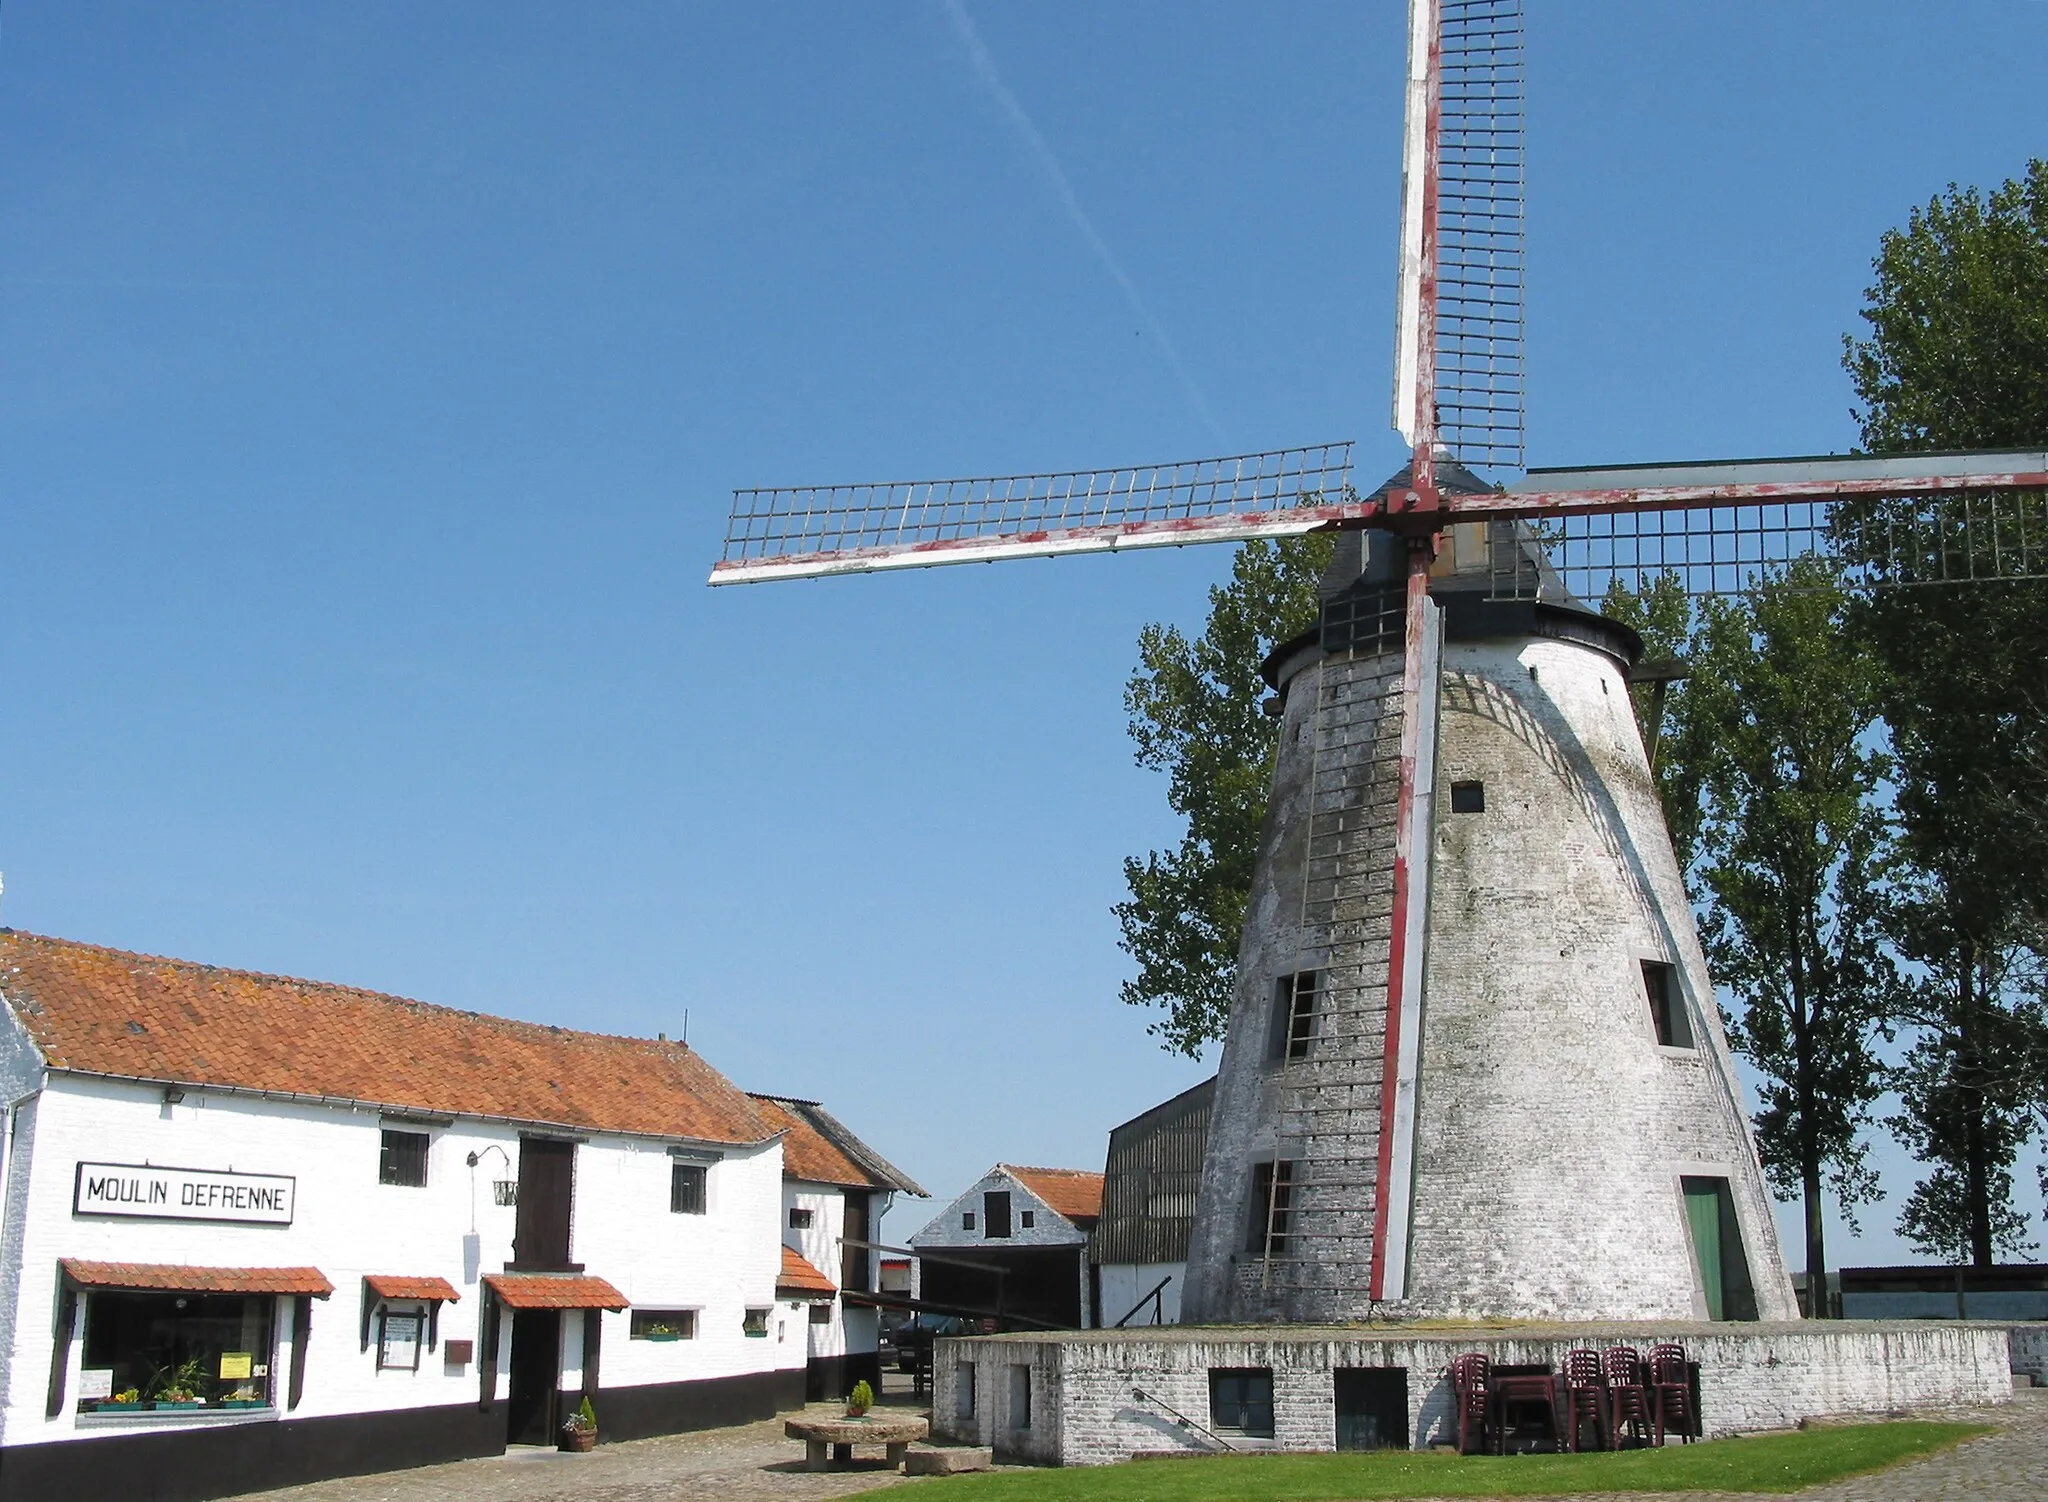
(755, 1463)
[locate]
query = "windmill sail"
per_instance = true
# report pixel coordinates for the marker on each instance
(1458, 328)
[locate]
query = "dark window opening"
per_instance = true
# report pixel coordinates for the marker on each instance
(177, 1350)
(1717, 1249)
(1241, 1400)
(1020, 1397)
(755, 1324)
(967, 1220)
(1294, 1015)
(1272, 1200)
(1667, 1004)
(1027, 1218)
(995, 1214)
(686, 1184)
(963, 1390)
(856, 1226)
(404, 1159)
(662, 1324)
(1372, 1407)
(799, 1219)
(1468, 797)
(821, 1314)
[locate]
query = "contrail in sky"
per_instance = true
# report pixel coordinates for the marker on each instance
(992, 79)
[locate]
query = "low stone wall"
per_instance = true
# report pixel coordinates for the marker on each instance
(1070, 1398)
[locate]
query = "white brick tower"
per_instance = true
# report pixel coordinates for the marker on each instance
(1557, 1131)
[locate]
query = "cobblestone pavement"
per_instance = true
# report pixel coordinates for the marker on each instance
(755, 1463)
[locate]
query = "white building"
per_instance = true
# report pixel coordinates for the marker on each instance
(1014, 1248)
(260, 1230)
(835, 1190)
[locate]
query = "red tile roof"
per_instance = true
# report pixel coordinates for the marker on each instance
(799, 1279)
(817, 1149)
(1073, 1192)
(395, 1286)
(107, 1012)
(170, 1278)
(554, 1291)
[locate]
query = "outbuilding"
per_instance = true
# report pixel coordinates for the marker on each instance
(1014, 1248)
(260, 1231)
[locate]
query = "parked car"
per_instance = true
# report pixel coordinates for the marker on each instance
(913, 1341)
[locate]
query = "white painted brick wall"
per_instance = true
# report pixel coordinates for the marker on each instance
(1752, 1377)
(347, 1225)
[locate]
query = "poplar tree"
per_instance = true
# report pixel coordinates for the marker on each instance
(1957, 358)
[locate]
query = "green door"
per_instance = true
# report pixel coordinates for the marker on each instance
(1717, 1249)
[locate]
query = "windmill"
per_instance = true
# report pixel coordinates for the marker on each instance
(1546, 1137)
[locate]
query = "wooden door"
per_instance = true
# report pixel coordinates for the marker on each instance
(536, 1371)
(855, 1262)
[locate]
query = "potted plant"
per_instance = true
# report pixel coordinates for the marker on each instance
(579, 1430)
(663, 1332)
(860, 1400)
(179, 1387)
(244, 1396)
(129, 1398)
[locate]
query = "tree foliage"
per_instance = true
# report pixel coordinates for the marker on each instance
(1195, 715)
(1957, 357)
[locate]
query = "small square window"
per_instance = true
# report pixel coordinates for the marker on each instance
(1468, 797)
(686, 1188)
(1241, 1400)
(662, 1324)
(755, 1325)
(1667, 1004)
(404, 1159)
(821, 1314)
(800, 1218)
(963, 1390)
(967, 1220)
(1027, 1218)
(1020, 1397)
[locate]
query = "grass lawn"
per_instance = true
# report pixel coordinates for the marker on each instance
(1773, 1463)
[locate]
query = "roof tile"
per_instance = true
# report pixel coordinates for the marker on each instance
(173, 1278)
(398, 1286)
(798, 1277)
(105, 1011)
(554, 1291)
(1073, 1192)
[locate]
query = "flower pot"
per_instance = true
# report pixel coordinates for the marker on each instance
(108, 1405)
(242, 1403)
(661, 1337)
(856, 1413)
(579, 1440)
(163, 1403)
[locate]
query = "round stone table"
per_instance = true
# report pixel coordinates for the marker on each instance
(842, 1434)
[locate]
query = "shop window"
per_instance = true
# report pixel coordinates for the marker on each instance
(821, 1314)
(404, 1160)
(686, 1188)
(174, 1350)
(755, 1325)
(1272, 1205)
(995, 1214)
(1468, 797)
(663, 1324)
(1293, 1034)
(1020, 1397)
(1027, 1218)
(1667, 1004)
(800, 1219)
(963, 1390)
(1241, 1400)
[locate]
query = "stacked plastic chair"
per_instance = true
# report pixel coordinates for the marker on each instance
(1671, 1402)
(1628, 1397)
(1585, 1397)
(1468, 1386)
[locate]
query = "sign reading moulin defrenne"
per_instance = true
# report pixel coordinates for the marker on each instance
(183, 1194)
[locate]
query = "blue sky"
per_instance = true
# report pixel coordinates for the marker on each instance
(373, 380)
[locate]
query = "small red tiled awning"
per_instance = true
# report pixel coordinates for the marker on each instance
(554, 1291)
(800, 1280)
(394, 1286)
(165, 1277)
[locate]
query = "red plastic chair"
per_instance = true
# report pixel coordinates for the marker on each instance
(1468, 1385)
(1671, 1392)
(1585, 1397)
(1628, 1399)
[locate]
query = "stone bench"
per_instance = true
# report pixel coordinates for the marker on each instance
(950, 1461)
(830, 1440)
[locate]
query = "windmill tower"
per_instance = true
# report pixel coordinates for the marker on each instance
(1474, 1065)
